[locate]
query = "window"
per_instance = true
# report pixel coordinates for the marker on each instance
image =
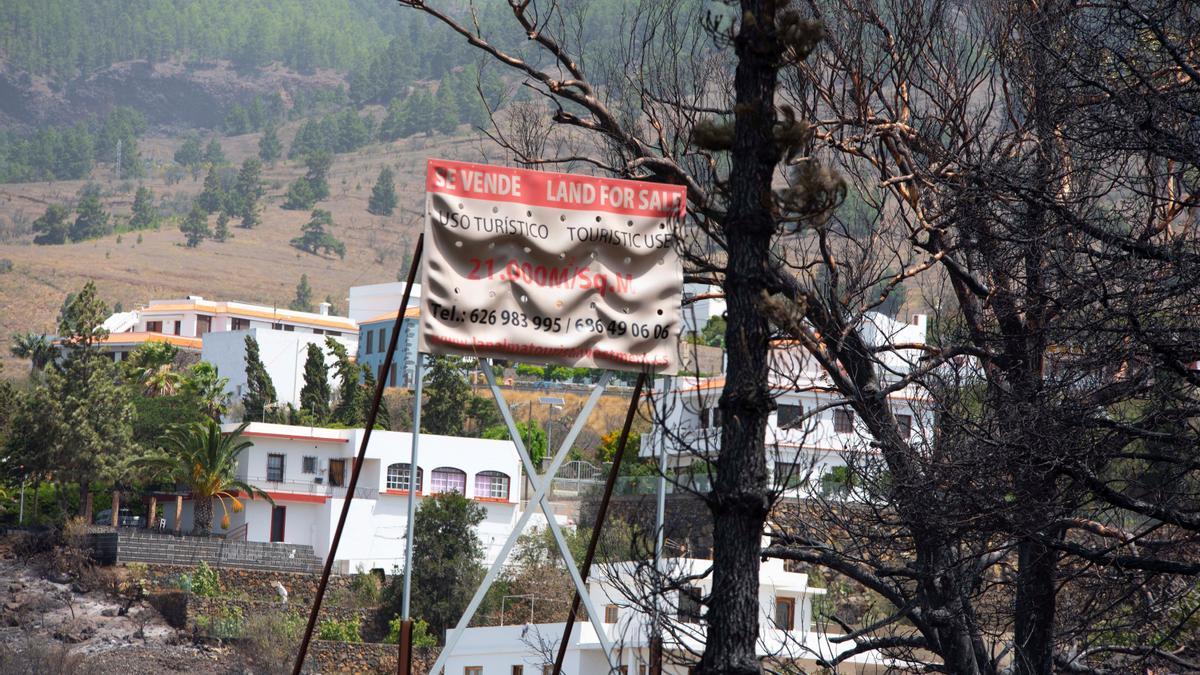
(717, 417)
(548, 669)
(610, 614)
(518, 670)
(448, 479)
(785, 613)
(789, 475)
(153, 326)
(473, 670)
(240, 324)
(337, 472)
(904, 423)
(491, 484)
(177, 326)
(704, 418)
(370, 342)
(318, 331)
(397, 477)
(843, 421)
(788, 415)
(381, 339)
(689, 604)
(309, 465)
(276, 326)
(275, 468)
(392, 376)
(203, 325)
(333, 333)
(289, 328)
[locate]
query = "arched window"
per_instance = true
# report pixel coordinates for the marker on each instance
(491, 484)
(397, 477)
(448, 479)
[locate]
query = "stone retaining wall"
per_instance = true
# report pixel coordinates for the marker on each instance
(255, 584)
(367, 657)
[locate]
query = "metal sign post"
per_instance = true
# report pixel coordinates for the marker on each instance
(541, 484)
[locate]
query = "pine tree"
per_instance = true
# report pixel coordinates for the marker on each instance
(315, 394)
(145, 215)
(91, 221)
(304, 294)
(269, 147)
(221, 233)
(195, 226)
(212, 196)
(446, 397)
(318, 164)
(445, 118)
(250, 216)
(213, 153)
(383, 195)
(190, 153)
(316, 237)
(260, 392)
(393, 125)
(51, 227)
(299, 196)
(248, 187)
(349, 407)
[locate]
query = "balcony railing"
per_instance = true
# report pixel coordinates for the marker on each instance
(309, 487)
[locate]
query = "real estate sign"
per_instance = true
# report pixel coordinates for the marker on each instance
(551, 268)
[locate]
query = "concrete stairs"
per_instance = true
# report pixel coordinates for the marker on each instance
(144, 546)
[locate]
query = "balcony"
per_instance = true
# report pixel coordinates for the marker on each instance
(309, 487)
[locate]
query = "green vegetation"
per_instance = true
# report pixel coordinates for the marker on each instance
(447, 561)
(340, 630)
(269, 146)
(145, 215)
(383, 195)
(195, 226)
(532, 435)
(420, 633)
(201, 457)
(315, 394)
(260, 391)
(304, 294)
(313, 186)
(91, 220)
(52, 228)
(316, 237)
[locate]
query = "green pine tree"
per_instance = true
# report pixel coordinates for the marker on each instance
(190, 154)
(213, 153)
(221, 233)
(195, 226)
(315, 394)
(145, 215)
(51, 227)
(91, 220)
(316, 236)
(248, 187)
(212, 196)
(269, 147)
(446, 397)
(383, 195)
(260, 391)
(304, 295)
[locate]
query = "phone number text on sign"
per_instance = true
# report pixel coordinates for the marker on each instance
(551, 268)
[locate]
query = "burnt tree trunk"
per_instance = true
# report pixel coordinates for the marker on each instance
(740, 501)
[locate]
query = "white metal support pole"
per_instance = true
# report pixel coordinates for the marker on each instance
(541, 485)
(413, 472)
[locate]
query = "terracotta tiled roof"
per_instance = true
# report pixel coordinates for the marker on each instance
(255, 311)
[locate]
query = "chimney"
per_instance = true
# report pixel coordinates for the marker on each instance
(323, 308)
(195, 298)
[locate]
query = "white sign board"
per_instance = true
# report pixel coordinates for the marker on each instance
(555, 268)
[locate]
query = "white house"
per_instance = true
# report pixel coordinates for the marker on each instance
(702, 302)
(786, 631)
(305, 470)
(373, 300)
(806, 438)
(282, 353)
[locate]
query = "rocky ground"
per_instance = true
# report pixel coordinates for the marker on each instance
(54, 625)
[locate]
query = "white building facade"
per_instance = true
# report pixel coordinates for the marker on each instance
(786, 630)
(305, 470)
(808, 436)
(282, 353)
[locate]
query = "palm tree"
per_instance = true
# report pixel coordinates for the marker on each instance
(205, 459)
(161, 380)
(39, 349)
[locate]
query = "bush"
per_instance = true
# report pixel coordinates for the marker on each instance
(340, 630)
(6, 265)
(420, 634)
(366, 589)
(270, 640)
(226, 621)
(205, 582)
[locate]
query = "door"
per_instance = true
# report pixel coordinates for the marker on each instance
(278, 516)
(337, 472)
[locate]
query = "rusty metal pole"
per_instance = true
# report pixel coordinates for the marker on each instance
(600, 515)
(404, 657)
(380, 385)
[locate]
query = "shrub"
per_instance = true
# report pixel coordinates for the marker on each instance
(225, 621)
(365, 589)
(270, 640)
(340, 630)
(6, 265)
(420, 634)
(205, 582)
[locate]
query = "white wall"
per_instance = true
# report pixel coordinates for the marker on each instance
(368, 302)
(282, 352)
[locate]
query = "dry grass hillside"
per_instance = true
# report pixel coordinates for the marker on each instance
(255, 265)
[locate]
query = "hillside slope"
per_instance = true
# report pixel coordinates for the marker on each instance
(256, 265)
